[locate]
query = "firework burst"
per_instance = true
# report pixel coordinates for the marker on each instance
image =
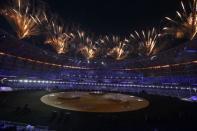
(185, 25)
(103, 43)
(25, 22)
(57, 37)
(88, 49)
(147, 41)
(119, 51)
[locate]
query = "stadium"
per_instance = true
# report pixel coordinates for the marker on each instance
(77, 82)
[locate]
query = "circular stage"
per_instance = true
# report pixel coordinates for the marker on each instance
(95, 101)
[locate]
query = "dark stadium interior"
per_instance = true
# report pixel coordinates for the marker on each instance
(163, 114)
(88, 57)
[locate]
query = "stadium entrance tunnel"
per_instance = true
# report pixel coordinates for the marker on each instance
(98, 102)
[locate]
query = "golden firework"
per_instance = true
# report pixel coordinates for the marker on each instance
(119, 51)
(57, 37)
(185, 25)
(24, 20)
(88, 49)
(146, 40)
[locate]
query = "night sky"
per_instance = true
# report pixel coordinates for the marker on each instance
(113, 16)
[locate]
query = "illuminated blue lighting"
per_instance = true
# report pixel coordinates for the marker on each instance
(194, 98)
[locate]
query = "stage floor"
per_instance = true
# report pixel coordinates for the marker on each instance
(95, 101)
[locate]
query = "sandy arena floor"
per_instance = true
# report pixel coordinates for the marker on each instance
(94, 101)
